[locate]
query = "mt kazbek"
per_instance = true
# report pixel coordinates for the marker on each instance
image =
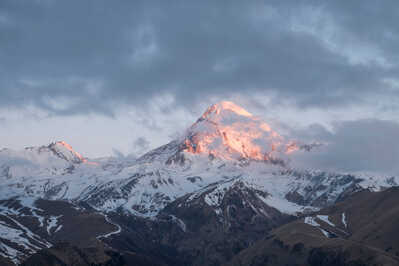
(218, 195)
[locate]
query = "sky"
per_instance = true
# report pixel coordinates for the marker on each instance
(122, 77)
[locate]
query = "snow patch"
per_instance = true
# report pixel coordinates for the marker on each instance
(325, 233)
(117, 231)
(282, 205)
(179, 222)
(324, 218)
(21, 236)
(10, 253)
(312, 221)
(344, 220)
(58, 228)
(52, 222)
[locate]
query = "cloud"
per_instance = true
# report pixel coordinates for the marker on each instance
(79, 57)
(117, 153)
(363, 145)
(140, 146)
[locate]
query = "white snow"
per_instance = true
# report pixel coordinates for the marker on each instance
(20, 235)
(30, 234)
(32, 169)
(282, 205)
(17, 236)
(146, 185)
(10, 253)
(179, 222)
(215, 197)
(160, 184)
(58, 228)
(344, 220)
(325, 233)
(117, 231)
(324, 218)
(312, 221)
(52, 222)
(38, 217)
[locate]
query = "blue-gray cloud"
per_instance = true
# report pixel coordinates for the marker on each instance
(70, 57)
(363, 145)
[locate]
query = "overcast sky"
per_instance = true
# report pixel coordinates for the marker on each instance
(125, 76)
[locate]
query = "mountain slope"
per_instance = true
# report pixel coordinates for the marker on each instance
(360, 230)
(230, 170)
(27, 227)
(225, 143)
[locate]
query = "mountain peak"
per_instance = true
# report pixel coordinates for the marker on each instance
(64, 144)
(220, 107)
(228, 131)
(65, 151)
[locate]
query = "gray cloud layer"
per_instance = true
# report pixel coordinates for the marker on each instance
(364, 145)
(94, 56)
(69, 57)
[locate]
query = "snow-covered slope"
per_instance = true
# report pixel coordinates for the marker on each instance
(53, 159)
(225, 145)
(228, 131)
(54, 171)
(227, 149)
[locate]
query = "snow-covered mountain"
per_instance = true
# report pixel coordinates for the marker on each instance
(53, 159)
(225, 145)
(226, 149)
(228, 131)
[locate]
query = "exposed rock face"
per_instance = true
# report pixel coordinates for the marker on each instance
(66, 254)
